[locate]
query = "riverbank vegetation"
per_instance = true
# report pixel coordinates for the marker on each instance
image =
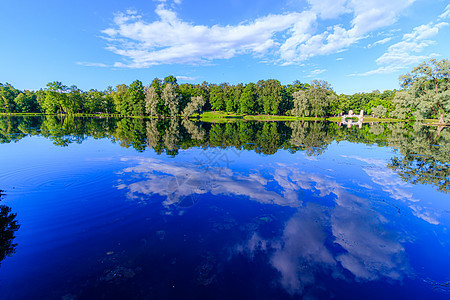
(425, 94)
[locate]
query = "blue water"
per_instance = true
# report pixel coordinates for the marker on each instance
(102, 221)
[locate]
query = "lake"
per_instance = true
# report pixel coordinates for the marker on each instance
(102, 208)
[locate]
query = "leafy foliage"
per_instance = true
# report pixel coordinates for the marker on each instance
(171, 99)
(428, 87)
(151, 101)
(379, 111)
(194, 106)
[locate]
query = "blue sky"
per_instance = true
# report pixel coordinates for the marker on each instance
(355, 45)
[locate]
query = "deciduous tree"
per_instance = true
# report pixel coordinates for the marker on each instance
(171, 99)
(428, 87)
(194, 106)
(301, 105)
(151, 101)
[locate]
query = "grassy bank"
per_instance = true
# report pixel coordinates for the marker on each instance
(368, 119)
(223, 117)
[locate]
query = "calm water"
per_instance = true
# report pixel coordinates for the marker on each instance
(133, 209)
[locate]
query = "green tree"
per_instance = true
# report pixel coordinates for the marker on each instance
(25, 103)
(171, 99)
(428, 87)
(320, 95)
(7, 95)
(158, 85)
(379, 111)
(40, 98)
(232, 98)
(170, 79)
(194, 106)
(56, 98)
(272, 96)
(217, 97)
(402, 104)
(247, 102)
(119, 97)
(301, 104)
(92, 101)
(151, 101)
(135, 99)
(75, 99)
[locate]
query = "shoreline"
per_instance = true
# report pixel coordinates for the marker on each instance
(216, 116)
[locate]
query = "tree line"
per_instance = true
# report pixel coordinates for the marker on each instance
(425, 94)
(168, 98)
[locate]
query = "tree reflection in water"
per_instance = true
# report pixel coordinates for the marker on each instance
(425, 156)
(424, 159)
(8, 227)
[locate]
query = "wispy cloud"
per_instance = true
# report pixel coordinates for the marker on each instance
(380, 42)
(91, 64)
(289, 38)
(380, 70)
(405, 53)
(446, 13)
(316, 72)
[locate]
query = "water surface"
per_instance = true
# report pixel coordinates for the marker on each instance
(144, 209)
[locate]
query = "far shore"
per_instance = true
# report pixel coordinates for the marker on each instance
(220, 117)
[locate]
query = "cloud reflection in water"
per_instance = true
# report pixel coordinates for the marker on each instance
(347, 239)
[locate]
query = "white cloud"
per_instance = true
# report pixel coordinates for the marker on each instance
(380, 70)
(446, 13)
(316, 72)
(380, 42)
(406, 52)
(171, 40)
(289, 38)
(92, 64)
(329, 9)
(370, 15)
(423, 32)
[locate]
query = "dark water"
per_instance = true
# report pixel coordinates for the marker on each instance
(133, 209)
